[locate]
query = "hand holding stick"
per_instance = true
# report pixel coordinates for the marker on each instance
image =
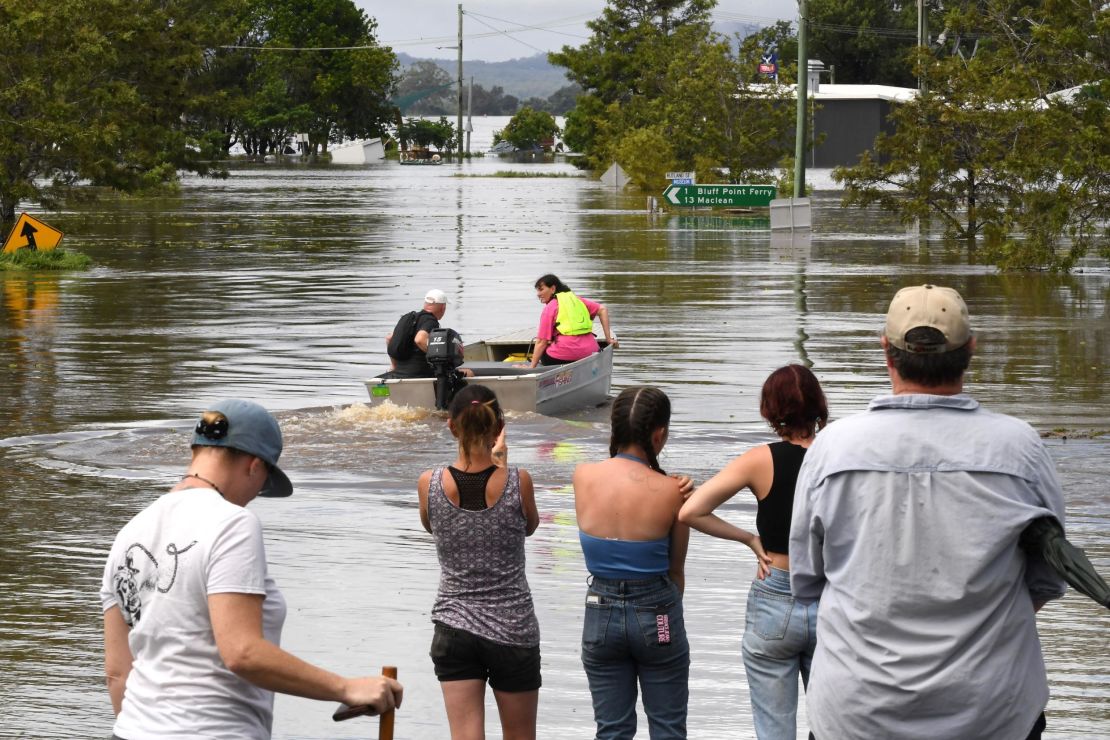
(385, 726)
(385, 722)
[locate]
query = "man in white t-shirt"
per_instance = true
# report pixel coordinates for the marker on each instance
(192, 618)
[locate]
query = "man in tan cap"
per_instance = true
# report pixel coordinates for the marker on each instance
(905, 526)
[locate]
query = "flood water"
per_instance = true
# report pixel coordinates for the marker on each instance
(279, 284)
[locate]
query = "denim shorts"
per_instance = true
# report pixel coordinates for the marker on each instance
(459, 655)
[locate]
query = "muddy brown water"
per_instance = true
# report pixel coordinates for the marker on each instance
(280, 283)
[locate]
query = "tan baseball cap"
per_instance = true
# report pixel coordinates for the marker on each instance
(928, 305)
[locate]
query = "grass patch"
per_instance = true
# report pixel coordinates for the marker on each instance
(29, 260)
(517, 173)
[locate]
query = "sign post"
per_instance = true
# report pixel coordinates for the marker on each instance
(720, 196)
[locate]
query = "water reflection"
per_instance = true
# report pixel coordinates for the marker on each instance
(279, 284)
(29, 307)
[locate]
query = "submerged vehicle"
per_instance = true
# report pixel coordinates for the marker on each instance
(546, 389)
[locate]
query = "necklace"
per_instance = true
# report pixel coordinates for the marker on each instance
(205, 480)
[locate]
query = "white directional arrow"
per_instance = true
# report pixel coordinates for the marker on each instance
(720, 195)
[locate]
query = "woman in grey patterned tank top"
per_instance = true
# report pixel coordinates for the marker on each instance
(485, 627)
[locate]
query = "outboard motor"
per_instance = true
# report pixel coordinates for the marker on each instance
(445, 355)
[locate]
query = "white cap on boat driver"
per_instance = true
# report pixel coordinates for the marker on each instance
(436, 296)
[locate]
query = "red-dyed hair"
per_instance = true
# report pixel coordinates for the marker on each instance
(793, 403)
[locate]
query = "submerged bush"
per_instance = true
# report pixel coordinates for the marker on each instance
(55, 259)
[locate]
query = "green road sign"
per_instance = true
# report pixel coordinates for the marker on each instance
(720, 196)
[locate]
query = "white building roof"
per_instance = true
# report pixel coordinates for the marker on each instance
(864, 92)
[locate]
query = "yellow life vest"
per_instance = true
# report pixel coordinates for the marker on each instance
(573, 318)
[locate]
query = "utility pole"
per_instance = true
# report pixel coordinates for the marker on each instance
(469, 112)
(922, 37)
(802, 90)
(460, 128)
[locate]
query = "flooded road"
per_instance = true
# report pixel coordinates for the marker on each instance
(279, 284)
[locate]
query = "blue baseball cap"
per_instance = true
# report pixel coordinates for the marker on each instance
(246, 426)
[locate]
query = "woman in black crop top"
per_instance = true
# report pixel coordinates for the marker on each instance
(779, 633)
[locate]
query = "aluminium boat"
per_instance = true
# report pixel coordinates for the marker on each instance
(550, 389)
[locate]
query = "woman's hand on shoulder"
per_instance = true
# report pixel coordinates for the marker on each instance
(685, 484)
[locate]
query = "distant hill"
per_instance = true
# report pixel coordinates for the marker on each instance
(532, 76)
(525, 77)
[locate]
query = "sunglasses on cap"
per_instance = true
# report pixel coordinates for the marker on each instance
(213, 425)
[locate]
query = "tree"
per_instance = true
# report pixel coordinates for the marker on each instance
(622, 65)
(563, 100)
(687, 101)
(127, 93)
(95, 90)
(494, 102)
(528, 129)
(869, 41)
(422, 133)
(719, 114)
(428, 87)
(610, 65)
(334, 93)
(996, 147)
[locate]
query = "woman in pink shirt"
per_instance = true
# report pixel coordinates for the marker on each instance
(566, 324)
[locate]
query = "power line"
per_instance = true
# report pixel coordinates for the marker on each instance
(508, 35)
(301, 48)
(547, 28)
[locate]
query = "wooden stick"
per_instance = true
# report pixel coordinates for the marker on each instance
(385, 722)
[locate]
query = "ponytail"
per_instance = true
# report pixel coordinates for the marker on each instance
(476, 418)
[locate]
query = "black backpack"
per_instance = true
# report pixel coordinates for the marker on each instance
(401, 344)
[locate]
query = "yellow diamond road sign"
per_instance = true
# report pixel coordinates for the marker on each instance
(30, 233)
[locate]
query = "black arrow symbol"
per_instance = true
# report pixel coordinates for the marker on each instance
(28, 233)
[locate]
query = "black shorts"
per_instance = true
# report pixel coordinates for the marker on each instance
(460, 656)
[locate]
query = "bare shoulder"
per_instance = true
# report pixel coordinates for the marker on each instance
(424, 480)
(758, 455)
(583, 470)
(670, 486)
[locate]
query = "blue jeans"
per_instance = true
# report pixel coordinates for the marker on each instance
(779, 638)
(634, 631)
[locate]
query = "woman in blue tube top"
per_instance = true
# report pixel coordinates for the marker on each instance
(635, 551)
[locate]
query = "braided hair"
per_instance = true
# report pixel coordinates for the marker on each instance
(637, 413)
(476, 418)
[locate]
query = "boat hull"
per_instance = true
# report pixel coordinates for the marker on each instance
(549, 390)
(360, 151)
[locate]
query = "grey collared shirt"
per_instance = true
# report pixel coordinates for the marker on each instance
(905, 526)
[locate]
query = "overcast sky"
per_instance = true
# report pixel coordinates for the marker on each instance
(417, 27)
